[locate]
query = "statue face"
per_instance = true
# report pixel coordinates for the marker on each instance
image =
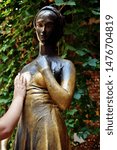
(45, 26)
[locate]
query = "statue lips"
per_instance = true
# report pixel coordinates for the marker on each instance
(43, 37)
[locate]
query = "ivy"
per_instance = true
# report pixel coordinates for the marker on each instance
(80, 44)
(62, 3)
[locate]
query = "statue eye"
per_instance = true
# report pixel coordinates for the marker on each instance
(50, 25)
(39, 24)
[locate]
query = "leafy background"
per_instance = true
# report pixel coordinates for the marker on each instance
(80, 44)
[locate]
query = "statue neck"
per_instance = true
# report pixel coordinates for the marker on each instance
(50, 50)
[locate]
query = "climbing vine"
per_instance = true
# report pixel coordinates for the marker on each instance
(80, 44)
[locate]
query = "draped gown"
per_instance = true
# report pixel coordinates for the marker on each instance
(41, 126)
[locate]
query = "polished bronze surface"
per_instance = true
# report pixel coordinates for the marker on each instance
(50, 87)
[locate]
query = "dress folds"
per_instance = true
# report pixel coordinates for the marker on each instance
(41, 126)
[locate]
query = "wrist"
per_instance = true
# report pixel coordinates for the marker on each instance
(18, 98)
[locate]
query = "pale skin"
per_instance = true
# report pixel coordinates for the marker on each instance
(11, 117)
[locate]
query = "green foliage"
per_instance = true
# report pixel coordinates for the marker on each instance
(18, 46)
(61, 3)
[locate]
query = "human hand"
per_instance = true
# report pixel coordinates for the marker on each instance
(27, 77)
(42, 63)
(19, 87)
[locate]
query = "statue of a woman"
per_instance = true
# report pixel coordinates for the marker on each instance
(50, 87)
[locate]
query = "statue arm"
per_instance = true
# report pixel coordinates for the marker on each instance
(62, 93)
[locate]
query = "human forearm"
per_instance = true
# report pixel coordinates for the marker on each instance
(10, 119)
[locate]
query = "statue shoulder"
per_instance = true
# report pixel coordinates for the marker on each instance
(68, 63)
(25, 68)
(31, 67)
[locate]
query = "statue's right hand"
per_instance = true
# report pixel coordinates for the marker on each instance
(42, 63)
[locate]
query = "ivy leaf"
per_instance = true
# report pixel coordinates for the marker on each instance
(70, 123)
(74, 11)
(71, 3)
(82, 52)
(91, 62)
(96, 12)
(4, 58)
(78, 94)
(4, 47)
(61, 2)
(6, 12)
(10, 52)
(72, 112)
(4, 101)
(27, 19)
(85, 134)
(1, 66)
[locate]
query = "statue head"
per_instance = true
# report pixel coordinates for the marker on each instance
(49, 24)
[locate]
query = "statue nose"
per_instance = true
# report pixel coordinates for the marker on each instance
(43, 29)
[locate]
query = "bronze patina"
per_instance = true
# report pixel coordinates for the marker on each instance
(50, 87)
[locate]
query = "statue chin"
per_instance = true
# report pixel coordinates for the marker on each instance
(45, 42)
(48, 39)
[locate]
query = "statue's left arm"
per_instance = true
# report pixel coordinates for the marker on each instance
(62, 93)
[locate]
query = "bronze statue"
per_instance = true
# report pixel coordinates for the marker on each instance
(50, 87)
